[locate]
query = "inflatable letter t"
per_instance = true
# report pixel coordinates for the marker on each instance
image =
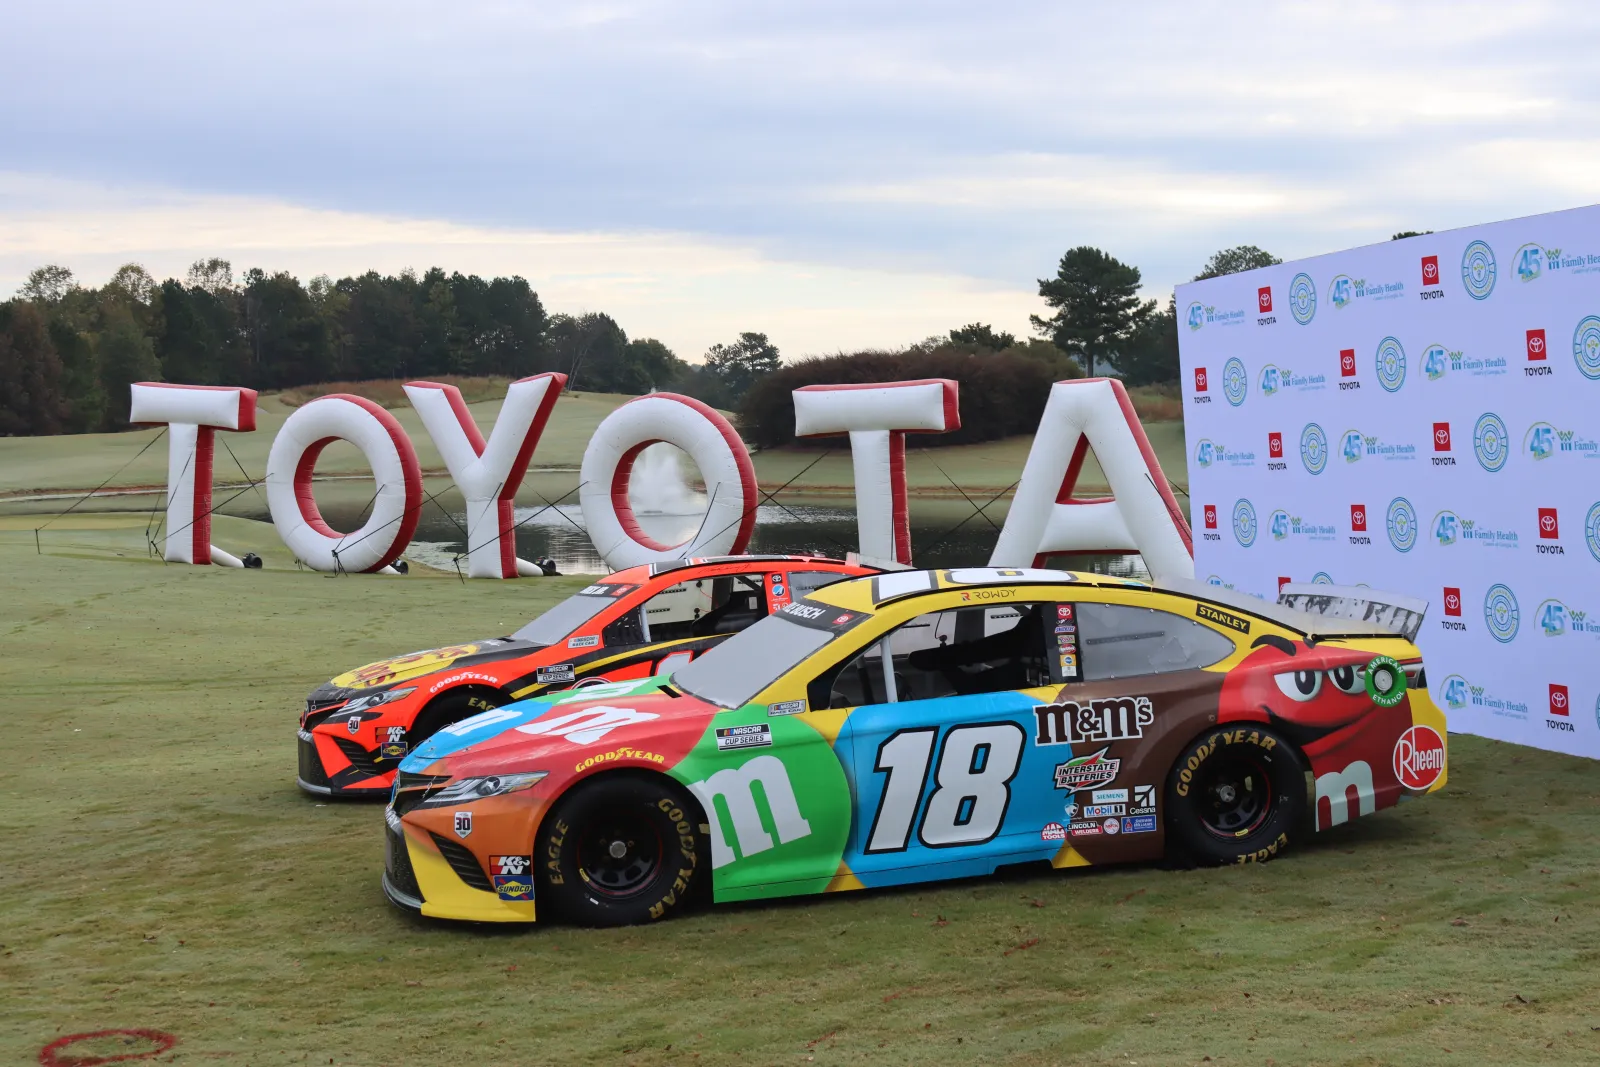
(877, 417)
(192, 414)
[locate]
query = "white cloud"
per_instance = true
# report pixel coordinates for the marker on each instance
(841, 172)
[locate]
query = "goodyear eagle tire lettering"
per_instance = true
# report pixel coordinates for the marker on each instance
(450, 707)
(625, 848)
(1236, 795)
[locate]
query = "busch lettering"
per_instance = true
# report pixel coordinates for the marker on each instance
(1111, 719)
(736, 787)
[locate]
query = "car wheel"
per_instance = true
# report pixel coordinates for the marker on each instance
(622, 849)
(449, 708)
(1236, 795)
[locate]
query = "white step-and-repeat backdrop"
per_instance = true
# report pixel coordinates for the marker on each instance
(1421, 416)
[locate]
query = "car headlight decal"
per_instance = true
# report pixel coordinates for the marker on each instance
(463, 790)
(373, 700)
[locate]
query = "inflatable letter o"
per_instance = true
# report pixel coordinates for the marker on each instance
(394, 467)
(715, 448)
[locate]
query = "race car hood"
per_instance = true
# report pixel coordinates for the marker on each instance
(539, 734)
(387, 673)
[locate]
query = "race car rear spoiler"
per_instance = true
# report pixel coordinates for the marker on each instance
(1340, 605)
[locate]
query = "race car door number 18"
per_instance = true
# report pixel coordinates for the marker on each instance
(972, 786)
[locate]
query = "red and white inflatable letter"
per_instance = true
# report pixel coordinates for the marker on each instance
(714, 446)
(1141, 516)
(488, 474)
(877, 417)
(192, 414)
(293, 460)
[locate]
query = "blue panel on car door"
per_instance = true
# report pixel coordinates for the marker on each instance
(997, 797)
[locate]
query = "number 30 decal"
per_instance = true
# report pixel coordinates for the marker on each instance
(972, 786)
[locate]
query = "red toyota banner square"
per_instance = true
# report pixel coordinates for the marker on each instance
(1549, 525)
(1264, 298)
(1430, 270)
(1452, 600)
(1441, 437)
(1211, 516)
(1347, 363)
(1558, 699)
(1536, 346)
(1199, 379)
(1358, 517)
(1275, 445)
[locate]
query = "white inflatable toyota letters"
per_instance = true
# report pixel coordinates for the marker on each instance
(192, 414)
(488, 474)
(877, 417)
(1141, 516)
(713, 444)
(388, 451)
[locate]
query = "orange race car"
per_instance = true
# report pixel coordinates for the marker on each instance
(636, 623)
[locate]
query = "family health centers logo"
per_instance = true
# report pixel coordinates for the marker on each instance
(1314, 448)
(1303, 298)
(1501, 613)
(1478, 270)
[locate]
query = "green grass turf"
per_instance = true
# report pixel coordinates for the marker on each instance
(159, 869)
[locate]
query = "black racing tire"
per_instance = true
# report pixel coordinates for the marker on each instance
(451, 707)
(622, 849)
(1237, 794)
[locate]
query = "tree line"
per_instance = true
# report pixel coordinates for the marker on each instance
(68, 352)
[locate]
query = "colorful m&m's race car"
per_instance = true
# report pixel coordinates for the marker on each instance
(357, 728)
(922, 725)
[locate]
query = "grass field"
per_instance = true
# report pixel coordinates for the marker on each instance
(160, 870)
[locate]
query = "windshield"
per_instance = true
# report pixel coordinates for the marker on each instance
(553, 626)
(746, 663)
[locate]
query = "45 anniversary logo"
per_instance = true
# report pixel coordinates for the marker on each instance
(1275, 379)
(1558, 619)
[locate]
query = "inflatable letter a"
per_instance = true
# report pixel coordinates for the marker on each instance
(192, 414)
(1141, 516)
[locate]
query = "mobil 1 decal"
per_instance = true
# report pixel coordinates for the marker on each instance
(952, 791)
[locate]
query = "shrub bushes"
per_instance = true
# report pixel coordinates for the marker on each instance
(1002, 393)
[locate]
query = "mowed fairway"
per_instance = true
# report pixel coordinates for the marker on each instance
(159, 869)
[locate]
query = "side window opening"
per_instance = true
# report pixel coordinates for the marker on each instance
(701, 608)
(956, 652)
(1122, 641)
(804, 583)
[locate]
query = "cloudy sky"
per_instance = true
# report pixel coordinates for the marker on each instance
(834, 174)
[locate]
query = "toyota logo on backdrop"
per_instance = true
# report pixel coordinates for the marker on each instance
(1264, 297)
(1430, 270)
(1452, 601)
(1536, 349)
(1549, 525)
(1441, 437)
